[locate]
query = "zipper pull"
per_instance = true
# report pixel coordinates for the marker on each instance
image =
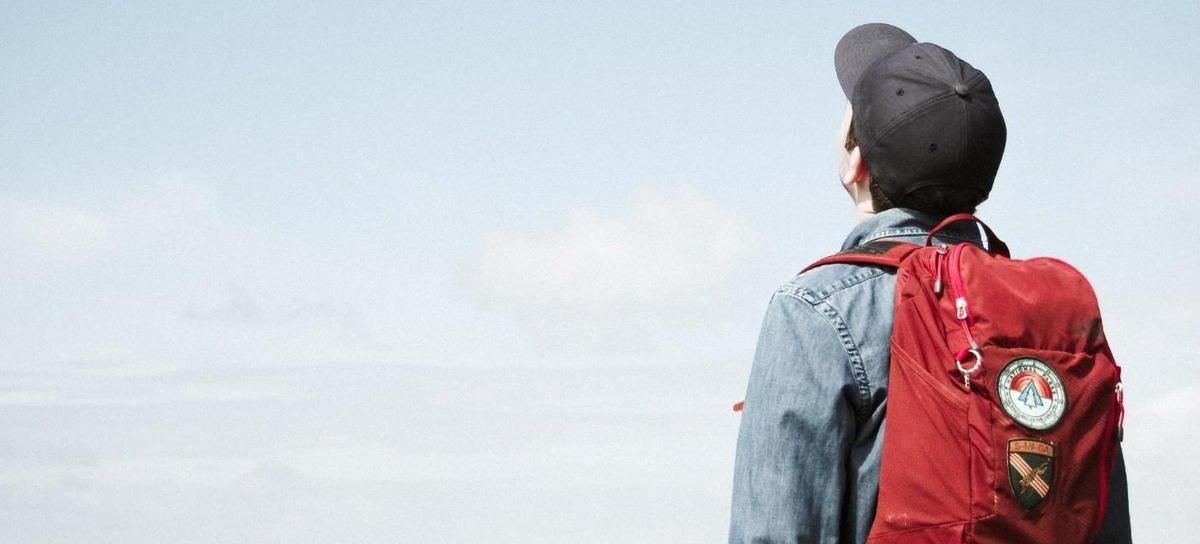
(1120, 390)
(954, 269)
(942, 249)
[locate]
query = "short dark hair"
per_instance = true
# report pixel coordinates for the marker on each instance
(936, 201)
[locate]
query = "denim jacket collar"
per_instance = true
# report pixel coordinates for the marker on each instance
(908, 223)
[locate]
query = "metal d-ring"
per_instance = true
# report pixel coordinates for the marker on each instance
(966, 372)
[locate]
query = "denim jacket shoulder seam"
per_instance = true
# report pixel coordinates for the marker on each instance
(858, 368)
(815, 296)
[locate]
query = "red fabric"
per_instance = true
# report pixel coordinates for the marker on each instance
(895, 253)
(944, 473)
(995, 244)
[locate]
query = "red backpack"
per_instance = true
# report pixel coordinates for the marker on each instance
(1004, 403)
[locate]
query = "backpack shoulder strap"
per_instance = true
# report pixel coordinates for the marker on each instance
(879, 253)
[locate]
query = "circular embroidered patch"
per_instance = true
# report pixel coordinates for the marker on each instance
(1031, 393)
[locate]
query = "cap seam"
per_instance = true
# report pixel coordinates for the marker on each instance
(964, 129)
(909, 115)
(921, 108)
(962, 139)
(948, 68)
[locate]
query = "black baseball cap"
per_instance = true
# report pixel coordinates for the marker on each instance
(923, 117)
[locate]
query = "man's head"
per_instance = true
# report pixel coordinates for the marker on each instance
(922, 129)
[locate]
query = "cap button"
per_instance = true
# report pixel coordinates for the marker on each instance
(961, 89)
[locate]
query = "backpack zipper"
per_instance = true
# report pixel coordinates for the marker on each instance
(962, 312)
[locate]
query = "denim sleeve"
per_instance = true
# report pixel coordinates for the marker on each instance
(1115, 528)
(796, 430)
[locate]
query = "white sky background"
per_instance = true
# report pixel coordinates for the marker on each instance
(378, 273)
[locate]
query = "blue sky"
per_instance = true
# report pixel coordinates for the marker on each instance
(261, 263)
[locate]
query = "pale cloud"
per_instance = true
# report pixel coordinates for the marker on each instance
(619, 287)
(237, 305)
(44, 234)
(668, 244)
(174, 278)
(59, 395)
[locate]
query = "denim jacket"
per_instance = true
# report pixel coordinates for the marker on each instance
(811, 436)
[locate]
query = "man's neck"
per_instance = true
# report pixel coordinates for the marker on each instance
(863, 211)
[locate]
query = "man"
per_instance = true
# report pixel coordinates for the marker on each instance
(809, 448)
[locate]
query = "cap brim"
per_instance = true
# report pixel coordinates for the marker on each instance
(862, 46)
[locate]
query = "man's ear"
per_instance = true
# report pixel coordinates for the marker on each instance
(856, 169)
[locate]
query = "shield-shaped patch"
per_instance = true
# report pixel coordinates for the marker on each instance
(1030, 470)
